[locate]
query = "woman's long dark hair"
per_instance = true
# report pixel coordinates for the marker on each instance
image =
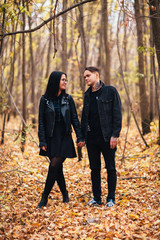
(53, 84)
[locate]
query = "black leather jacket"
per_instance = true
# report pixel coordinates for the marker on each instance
(47, 118)
(109, 108)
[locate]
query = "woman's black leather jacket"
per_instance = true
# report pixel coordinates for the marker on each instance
(47, 118)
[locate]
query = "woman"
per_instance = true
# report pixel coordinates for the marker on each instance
(56, 114)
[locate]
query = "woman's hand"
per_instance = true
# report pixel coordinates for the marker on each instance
(44, 148)
(81, 144)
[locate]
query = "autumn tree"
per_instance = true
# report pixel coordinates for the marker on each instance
(104, 26)
(155, 20)
(144, 106)
(64, 38)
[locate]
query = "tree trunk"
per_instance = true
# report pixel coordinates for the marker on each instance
(64, 39)
(12, 70)
(3, 129)
(23, 83)
(83, 59)
(155, 19)
(50, 43)
(100, 47)
(2, 28)
(143, 96)
(106, 42)
(151, 76)
(32, 73)
(126, 62)
(1, 48)
(125, 44)
(70, 54)
(145, 29)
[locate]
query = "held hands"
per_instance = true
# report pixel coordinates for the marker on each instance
(81, 144)
(44, 148)
(113, 142)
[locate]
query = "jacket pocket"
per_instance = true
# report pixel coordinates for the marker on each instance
(107, 105)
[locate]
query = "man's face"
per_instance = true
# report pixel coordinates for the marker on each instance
(90, 77)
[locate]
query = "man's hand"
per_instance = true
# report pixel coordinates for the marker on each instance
(113, 142)
(80, 144)
(44, 148)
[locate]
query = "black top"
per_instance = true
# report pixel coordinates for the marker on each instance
(94, 127)
(57, 107)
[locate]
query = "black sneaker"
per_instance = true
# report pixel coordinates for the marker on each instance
(94, 202)
(110, 203)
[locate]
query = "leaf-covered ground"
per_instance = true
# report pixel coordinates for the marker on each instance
(135, 215)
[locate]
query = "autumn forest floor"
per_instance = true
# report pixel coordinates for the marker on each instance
(22, 178)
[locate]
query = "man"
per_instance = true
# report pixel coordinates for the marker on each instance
(101, 126)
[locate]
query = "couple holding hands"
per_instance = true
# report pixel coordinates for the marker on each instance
(99, 130)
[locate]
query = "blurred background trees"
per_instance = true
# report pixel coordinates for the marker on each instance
(70, 41)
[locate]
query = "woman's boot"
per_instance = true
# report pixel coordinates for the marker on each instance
(43, 201)
(65, 197)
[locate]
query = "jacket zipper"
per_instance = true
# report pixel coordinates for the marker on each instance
(99, 116)
(54, 117)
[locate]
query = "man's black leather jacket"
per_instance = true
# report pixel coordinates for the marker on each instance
(109, 108)
(47, 118)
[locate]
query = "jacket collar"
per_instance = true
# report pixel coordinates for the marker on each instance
(89, 90)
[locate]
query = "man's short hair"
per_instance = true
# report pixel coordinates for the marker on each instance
(92, 69)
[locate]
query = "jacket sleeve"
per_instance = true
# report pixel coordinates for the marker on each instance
(41, 126)
(74, 120)
(117, 114)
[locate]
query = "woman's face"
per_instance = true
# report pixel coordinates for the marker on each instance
(63, 82)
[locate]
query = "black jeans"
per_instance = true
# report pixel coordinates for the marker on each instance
(95, 146)
(55, 173)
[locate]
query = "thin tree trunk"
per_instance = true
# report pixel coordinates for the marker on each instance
(64, 39)
(1, 48)
(125, 42)
(3, 129)
(145, 29)
(12, 71)
(23, 84)
(126, 65)
(99, 60)
(2, 29)
(157, 97)
(151, 76)
(155, 19)
(19, 76)
(50, 43)
(83, 59)
(143, 96)
(11, 75)
(70, 54)
(33, 110)
(106, 42)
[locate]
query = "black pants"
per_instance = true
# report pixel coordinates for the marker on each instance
(95, 146)
(55, 173)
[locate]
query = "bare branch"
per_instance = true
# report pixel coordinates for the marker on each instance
(46, 21)
(129, 178)
(14, 170)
